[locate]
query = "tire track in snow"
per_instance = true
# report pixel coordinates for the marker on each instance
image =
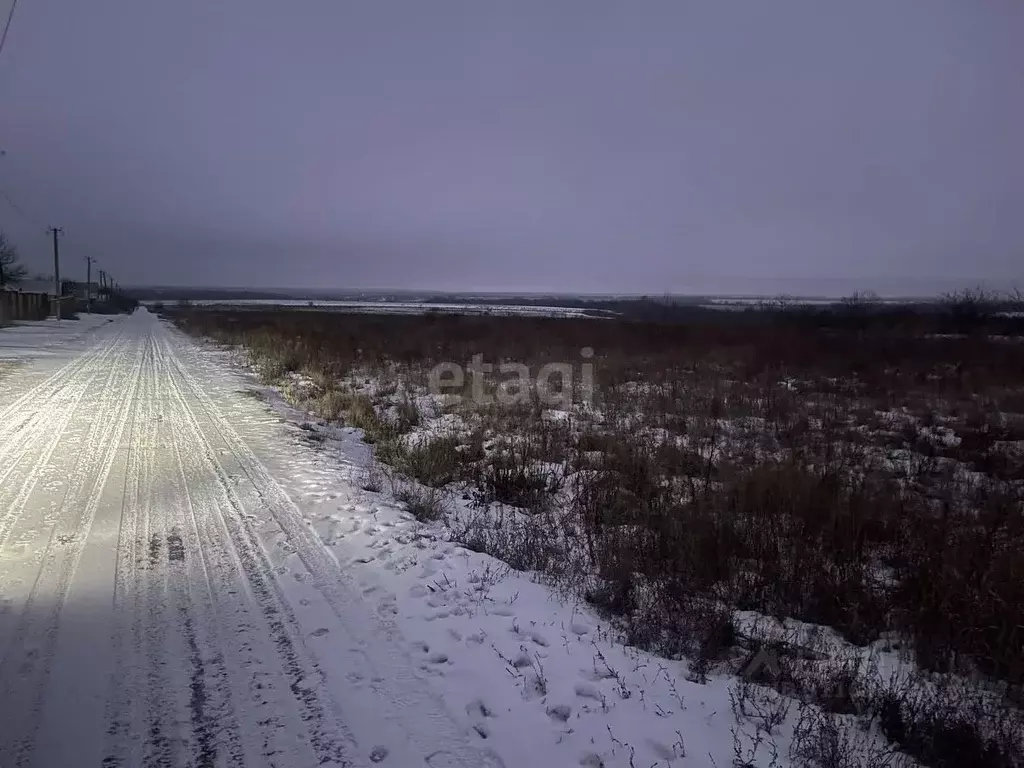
(33, 417)
(406, 702)
(18, 415)
(183, 612)
(330, 744)
(36, 415)
(162, 747)
(144, 704)
(25, 665)
(125, 688)
(48, 499)
(34, 463)
(213, 720)
(184, 635)
(17, 577)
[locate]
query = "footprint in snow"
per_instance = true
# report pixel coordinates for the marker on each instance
(534, 686)
(588, 691)
(428, 570)
(597, 674)
(559, 712)
(663, 752)
(536, 637)
(522, 661)
(308, 683)
(319, 632)
(477, 709)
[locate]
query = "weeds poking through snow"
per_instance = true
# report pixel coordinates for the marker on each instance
(425, 504)
(857, 469)
(372, 478)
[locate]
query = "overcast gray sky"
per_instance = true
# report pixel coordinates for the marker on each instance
(576, 145)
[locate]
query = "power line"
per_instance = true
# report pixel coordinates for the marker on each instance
(7, 26)
(18, 209)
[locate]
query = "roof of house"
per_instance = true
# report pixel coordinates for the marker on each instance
(35, 286)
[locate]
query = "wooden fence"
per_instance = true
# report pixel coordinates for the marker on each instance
(23, 306)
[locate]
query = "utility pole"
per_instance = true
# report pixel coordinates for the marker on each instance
(57, 231)
(88, 283)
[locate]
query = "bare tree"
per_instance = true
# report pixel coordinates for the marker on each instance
(1015, 299)
(11, 271)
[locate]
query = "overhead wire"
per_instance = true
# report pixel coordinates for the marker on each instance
(7, 25)
(3, 193)
(19, 210)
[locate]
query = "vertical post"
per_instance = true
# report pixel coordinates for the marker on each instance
(56, 267)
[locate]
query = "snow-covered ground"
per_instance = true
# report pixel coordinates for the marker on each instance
(515, 658)
(150, 611)
(192, 576)
(37, 339)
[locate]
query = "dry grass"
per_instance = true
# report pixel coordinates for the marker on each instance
(853, 470)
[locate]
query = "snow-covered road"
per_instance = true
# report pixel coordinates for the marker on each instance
(143, 619)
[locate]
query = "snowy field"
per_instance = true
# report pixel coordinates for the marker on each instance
(194, 571)
(396, 307)
(719, 480)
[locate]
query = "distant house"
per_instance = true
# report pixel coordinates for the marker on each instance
(35, 286)
(68, 288)
(81, 290)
